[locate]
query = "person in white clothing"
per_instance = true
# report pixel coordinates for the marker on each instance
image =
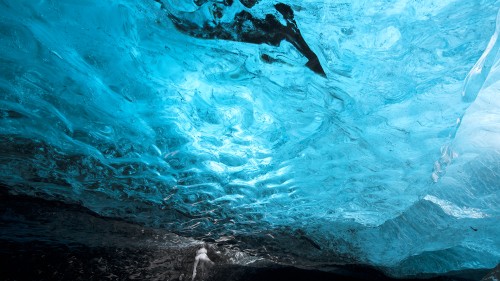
(201, 256)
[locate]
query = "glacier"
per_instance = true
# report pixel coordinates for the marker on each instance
(391, 158)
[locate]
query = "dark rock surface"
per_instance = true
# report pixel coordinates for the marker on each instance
(494, 275)
(50, 240)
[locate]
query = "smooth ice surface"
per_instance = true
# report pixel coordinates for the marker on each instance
(393, 159)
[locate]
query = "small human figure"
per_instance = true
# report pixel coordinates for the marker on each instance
(201, 255)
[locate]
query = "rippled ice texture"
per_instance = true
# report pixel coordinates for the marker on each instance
(392, 160)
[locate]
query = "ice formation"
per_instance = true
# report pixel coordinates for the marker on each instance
(391, 158)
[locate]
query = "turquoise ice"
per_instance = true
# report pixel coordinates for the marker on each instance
(393, 159)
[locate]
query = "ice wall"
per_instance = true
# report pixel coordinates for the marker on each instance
(108, 105)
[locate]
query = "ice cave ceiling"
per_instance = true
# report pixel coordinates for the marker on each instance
(344, 130)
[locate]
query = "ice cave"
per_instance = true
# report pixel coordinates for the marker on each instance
(249, 140)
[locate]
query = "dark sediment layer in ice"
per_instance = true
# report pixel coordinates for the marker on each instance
(50, 240)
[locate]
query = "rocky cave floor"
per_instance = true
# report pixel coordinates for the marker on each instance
(48, 240)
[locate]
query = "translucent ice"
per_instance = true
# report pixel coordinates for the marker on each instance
(392, 159)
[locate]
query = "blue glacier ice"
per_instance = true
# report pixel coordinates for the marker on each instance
(392, 159)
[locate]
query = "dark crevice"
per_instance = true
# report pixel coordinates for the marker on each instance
(249, 29)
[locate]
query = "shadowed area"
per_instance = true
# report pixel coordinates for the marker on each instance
(50, 240)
